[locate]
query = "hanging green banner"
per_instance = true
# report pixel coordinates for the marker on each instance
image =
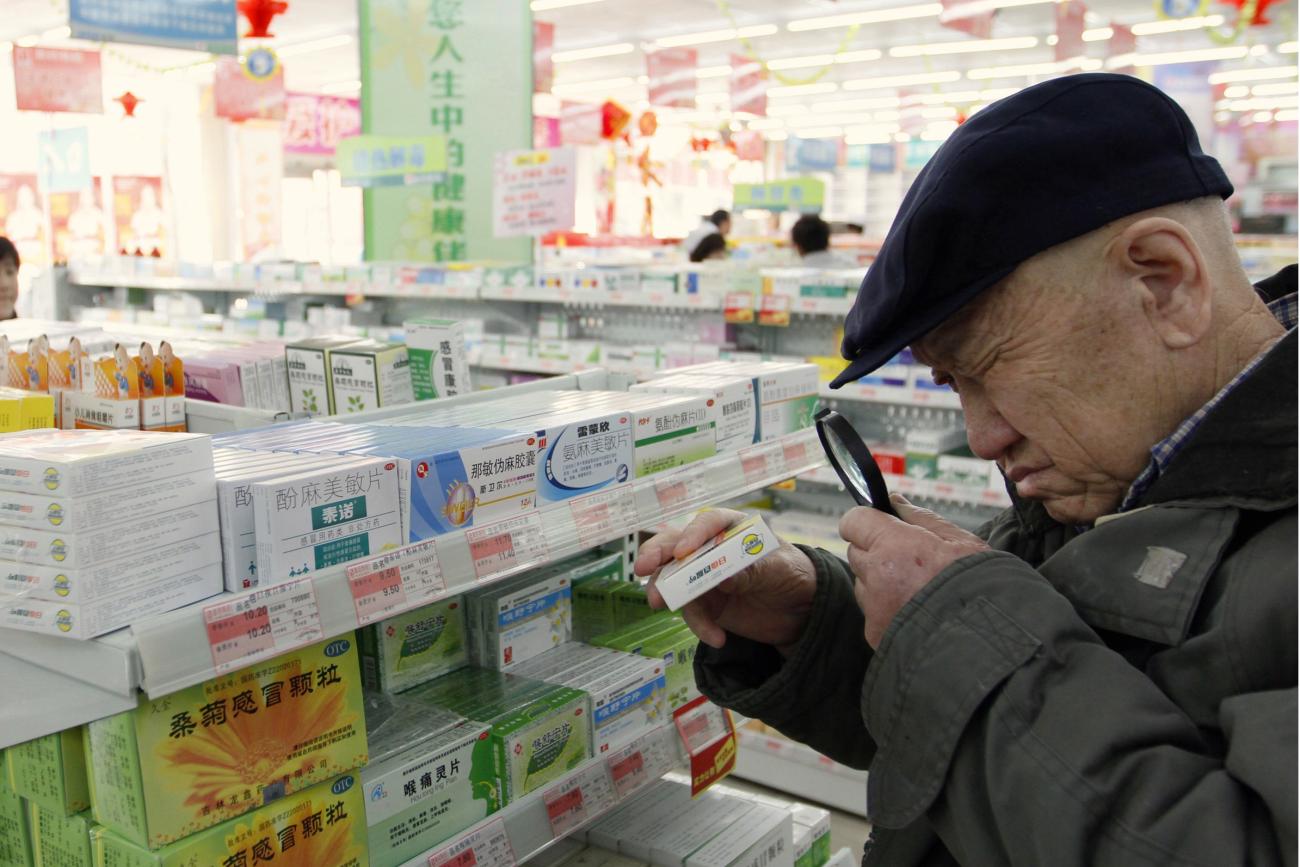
(792, 194)
(391, 160)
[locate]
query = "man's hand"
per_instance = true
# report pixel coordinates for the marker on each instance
(768, 602)
(893, 559)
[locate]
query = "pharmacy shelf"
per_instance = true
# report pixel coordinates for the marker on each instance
(597, 298)
(893, 394)
(541, 819)
(801, 771)
(43, 701)
(171, 651)
(172, 284)
(967, 495)
(843, 858)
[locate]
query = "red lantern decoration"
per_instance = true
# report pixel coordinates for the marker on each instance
(129, 102)
(648, 123)
(614, 119)
(259, 14)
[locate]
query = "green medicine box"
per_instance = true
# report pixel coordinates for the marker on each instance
(414, 647)
(58, 840)
(15, 841)
(676, 647)
(631, 604)
(51, 771)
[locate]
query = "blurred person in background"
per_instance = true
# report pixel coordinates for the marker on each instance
(9, 264)
(719, 222)
(712, 246)
(811, 237)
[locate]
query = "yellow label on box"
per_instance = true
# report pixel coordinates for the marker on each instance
(187, 761)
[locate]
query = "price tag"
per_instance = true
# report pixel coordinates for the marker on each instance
(774, 310)
(628, 773)
(395, 581)
(709, 735)
(507, 544)
(604, 515)
(486, 846)
(762, 462)
(738, 308)
(796, 455)
(656, 298)
(641, 761)
(585, 794)
(262, 624)
(682, 489)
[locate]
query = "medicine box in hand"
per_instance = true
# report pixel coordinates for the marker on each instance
(723, 556)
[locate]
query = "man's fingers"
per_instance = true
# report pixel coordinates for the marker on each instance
(926, 520)
(655, 598)
(702, 528)
(862, 526)
(703, 626)
(655, 553)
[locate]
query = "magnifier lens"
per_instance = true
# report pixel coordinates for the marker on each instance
(848, 464)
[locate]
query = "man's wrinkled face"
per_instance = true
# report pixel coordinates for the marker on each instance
(1051, 391)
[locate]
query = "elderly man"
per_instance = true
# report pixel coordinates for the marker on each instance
(1106, 675)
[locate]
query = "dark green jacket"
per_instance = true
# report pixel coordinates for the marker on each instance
(1125, 696)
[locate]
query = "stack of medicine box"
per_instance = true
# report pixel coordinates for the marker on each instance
(515, 620)
(663, 637)
(311, 515)
(812, 825)
(626, 691)
(415, 646)
(539, 731)
(666, 827)
(430, 775)
(786, 391)
(101, 528)
(44, 801)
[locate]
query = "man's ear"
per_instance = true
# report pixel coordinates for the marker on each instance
(1158, 259)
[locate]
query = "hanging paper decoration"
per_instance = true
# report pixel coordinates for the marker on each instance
(1069, 30)
(671, 73)
(648, 124)
(1256, 18)
(259, 14)
(956, 16)
(614, 119)
(748, 85)
(129, 101)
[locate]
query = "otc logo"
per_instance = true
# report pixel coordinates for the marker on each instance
(752, 544)
(341, 785)
(54, 514)
(337, 648)
(63, 620)
(52, 479)
(62, 585)
(59, 550)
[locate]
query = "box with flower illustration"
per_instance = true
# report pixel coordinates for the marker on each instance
(190, 760)
(322, 826)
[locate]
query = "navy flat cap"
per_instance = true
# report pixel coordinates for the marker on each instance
(1050, 163)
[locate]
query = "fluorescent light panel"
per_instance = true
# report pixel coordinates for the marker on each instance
(972, 46)
(597, 84)
(1176, 25)
(863, 104)
(1257, 73)
(804, 89)
(543, 5)
(875, 16)
(885, 81)
(1232, 52)
(593, 52)
(707, 36)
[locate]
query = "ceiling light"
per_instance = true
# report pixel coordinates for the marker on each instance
(1257, 73)
(543, 5)
(597, 84)
(786, 110)
(885, 81)
(875, 16)
(707, 36)
(863, 104)
(867, 138)
(336, 41)
(1096, 34)
(775, 135)
(1285, 114)
(938, 111)
(1286, 48)
(1237, 91)
(861, 56)
(1284, 88)
(1262, 103)
(764, 123)
(1232, 52)
(902, 137)
(1175, 25)
(714, 99)
(964, 46)
(978, 7)
(806, 62)
(1023, 69)
(1262, 116)
(713, 72)
(802, 89)
(341, 87)
(820, 132)
(1089, 64)
(889, 115)
(593, 52)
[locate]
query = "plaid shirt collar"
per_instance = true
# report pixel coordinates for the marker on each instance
(1285, 310)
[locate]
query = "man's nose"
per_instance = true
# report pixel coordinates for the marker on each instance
(989, 434)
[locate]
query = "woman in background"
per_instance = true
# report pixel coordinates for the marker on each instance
(9, 263)
(711, 247)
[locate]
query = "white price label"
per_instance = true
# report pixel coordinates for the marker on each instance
(604, 515)
(682, 489)
(262, 624)
(762, 462)
(488, 846)
(507, 544)
(395, 581)
(587, 793)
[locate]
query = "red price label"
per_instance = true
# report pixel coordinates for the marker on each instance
(377, 591)
(755, 467)
(671, 495)
(565, 810)
(628, 773)
(464, 859)
(507, 544)
(796, 455)
(489, 550)
(738, 307)
(262, 623)
(246, 633)
(604, 515)
(774, 310)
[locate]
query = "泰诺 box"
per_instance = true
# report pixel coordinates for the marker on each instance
(311, 385)
(724, 555)
(192, 759)
(59, 840)
(520, 618)
(436, 787)
(415, 646)
(51, 771)
(368, 374)
(87, 463)
(321, 825)
(539, 731)
(312, 520)
(439, 366)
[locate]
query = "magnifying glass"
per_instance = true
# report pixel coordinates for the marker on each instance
(853, 461)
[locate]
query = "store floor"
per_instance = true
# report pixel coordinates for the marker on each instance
(847, 830)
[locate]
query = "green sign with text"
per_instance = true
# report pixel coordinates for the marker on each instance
(791, 194)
